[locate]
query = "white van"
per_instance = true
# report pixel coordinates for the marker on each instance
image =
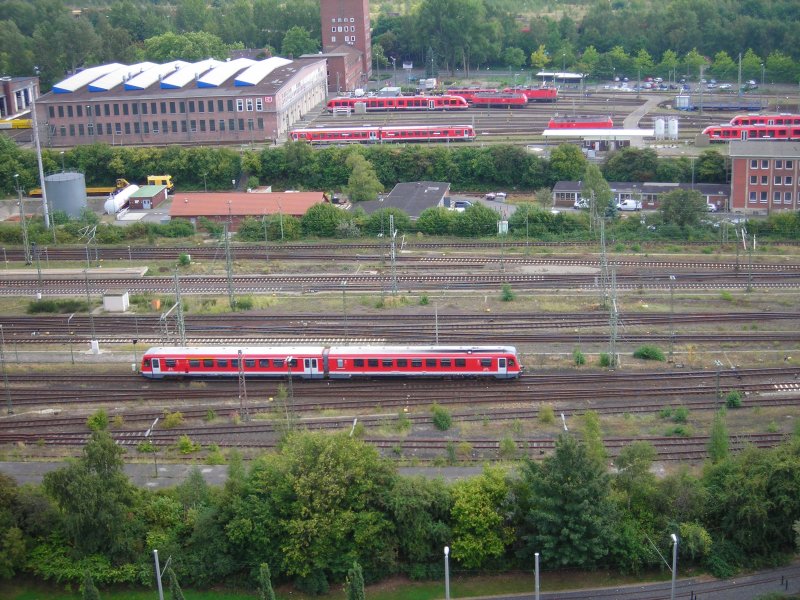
(629, 205)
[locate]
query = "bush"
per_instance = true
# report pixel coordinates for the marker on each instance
(441, 418)
(98, 421)
(186, 446)
(578, 357)
(508, 448)
(172, 420)
(244, 303)
(423, 300)
(56, 306)
(680, 414)
(679, 431)
(547, 415)
(184, 260)
(507, 295)
(733, 399)
(649, 353)
(605, 360)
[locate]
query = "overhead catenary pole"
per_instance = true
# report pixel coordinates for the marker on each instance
(229, 267)
(9, 405)
(179, 310)
(243, 412)
(45, 208)
(23, 222)
(393, 234)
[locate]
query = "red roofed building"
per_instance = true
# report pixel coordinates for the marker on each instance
(236, 206)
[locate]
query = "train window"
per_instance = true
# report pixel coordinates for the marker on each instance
(416, 363)
(235, 363)
(445, 362)
(278, 363)
(222, 363)
(340, 363)
(147, 362)
(387, 362)
(510, 362)
(402, 362)
(293, 363)
(461, 362)
(194, 363)
(372, 362)
(263, 363)
(249, 363)
(358, 362)
(486, 362)
(430, 362)
(208, 363)
(170, 363)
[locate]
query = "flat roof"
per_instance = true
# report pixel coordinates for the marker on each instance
(243, 204)
(599, 134)
(147, 191)
(764, 148)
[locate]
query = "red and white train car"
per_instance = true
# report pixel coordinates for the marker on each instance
(580, 123)
(499, 100)
(400, 103)
(780, 119)
(726, 133)
(469, 93)
(374, 134)
(535, 94)
(334, 362)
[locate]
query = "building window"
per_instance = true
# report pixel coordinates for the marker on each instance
(125, 109)
(259, 104)
(249, 104)
(230, 105)
(183, 126)
(352, 20)
(136, 126)
(164, 129)
(118, 128)
(778, 164)
(353, 39)
(63, 131)
(239, 104)
(753, 179)
(261, 124)
(222, 124)
(51, 111)
(153, 108)
(776, 197)
(347, 38)
(201, 106)
(163, 108)
(172, 108)
(80, 129)
(249, 124)
(89, 110)
(107, 110)
(778, 180)
(210, 106)
(220, 106)
(182, 107)
(789, 164)
(339, 29)
(202, 125)
(116, 110)
(155, 127)
(146, 127)
(787, 197)
(134, 108)
(763, 198)
(193, 125)
(753, 164)
(241, 124)
(787, 180)
(90, 129)
(79, 110)
(61, 111)
(333, 19)
(764, 180)
(753, 197)
(108, 128)
(333, 38)
(765, 164)
(232, 124)
(144, 108)
(174, 126)
(212, 125)
(352, 28)
(127, 128)
(191, 106)
(69, 110)
(333, 29)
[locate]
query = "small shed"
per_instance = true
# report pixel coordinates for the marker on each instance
(116, 301)
(147, 197)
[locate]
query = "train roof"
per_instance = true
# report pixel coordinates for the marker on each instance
(363, 350)
(206, 350)
(374, 127)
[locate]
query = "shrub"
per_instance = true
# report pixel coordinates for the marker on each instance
(649, 353)
(452, 456)
(441, 418)
(210, 415)
(98, 421)
(578, 357)
(403, 422)
(507, 295)
(680, 414)
(56, 306)
(423, 300)
(186, 446)
(508, 448)
(605, 360)
(172, 420)
(726, 296)
(184, 260)
(146, 446)
(547, 415)
(665, 413)
(244, 303)
(733, 399)
(679, 431)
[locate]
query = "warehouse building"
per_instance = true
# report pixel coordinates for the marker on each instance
(211, 101)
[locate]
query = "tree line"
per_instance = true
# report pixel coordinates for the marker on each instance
(621, 37)
(324, 502)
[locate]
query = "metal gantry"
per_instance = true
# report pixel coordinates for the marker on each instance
(603, 266)
(229, 266)
(243, 411)
(613, 322)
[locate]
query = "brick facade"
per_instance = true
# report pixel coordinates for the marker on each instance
(765, 176)
(347, 22)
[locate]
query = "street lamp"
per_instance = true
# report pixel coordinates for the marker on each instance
(536, 566)
(674, 564)
(762, 78)
(147, 434)
(62, 161)
(447, 572)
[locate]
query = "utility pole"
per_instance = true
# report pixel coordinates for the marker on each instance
(45, 208)
(266, 247)
(393, 234)
(243, 412)
(671, 317)
(9, 405)
(603, 266)
(613, 321)
(95, 345)
(344, 307)
(179, 310)
(229, 268)
(23, 222)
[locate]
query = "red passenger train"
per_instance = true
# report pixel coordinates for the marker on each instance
(580, 123)
(332, 362)
(400, 103)
(535, 94)
(469, 94)
(377, 135)
(781, 119)
(755, 127)
(499, 100)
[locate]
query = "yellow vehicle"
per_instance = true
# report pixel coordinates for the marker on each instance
(90, 191)
(161, 180)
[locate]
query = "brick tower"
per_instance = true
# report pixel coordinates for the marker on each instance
(347, 22)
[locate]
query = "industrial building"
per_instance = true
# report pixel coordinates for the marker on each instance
(346, 43)
(566, 193)
(211, 101)
(764, 176)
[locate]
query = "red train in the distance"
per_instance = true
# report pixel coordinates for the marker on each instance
(755, 127)
(542, 94)
(580, 123)
(499, 100)
(332, 362)
(373, 134)
(376, 103)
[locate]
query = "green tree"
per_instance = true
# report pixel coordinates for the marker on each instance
(567, 163)
(363, 183)
(89, 590)
(539, 58)
(682, 207)
(644, 62)
(781, 67)
(751, 65)
(593, 438)
(514, 57)
(597, 191)
(96, 499)
(564, 508)
(298, 41)
(718, 439)
(355, 582)
(323, 220)
(191, 15)
(265, 591)
(669, 62)
(711, 167)
(378, 222)
(631, 164)
(436, 221)
(479, 528)
(476, 220)
(195, 45)
(693, 61)
(634, 478)
(589, 60)
(723, 66)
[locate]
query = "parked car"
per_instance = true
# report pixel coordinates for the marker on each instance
(629, 205)
(460, 205)
(499, 196)
(711, 207)
(725, 86)
(581, 203)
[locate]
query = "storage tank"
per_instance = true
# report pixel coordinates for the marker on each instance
(116, 202)
(660, 128)
(672, 128)
(66, 192)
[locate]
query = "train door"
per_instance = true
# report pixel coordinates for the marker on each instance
(311, 368)
(373, 135)
(744, 134)
(502, 367)
(431, 104)
(156, 364)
